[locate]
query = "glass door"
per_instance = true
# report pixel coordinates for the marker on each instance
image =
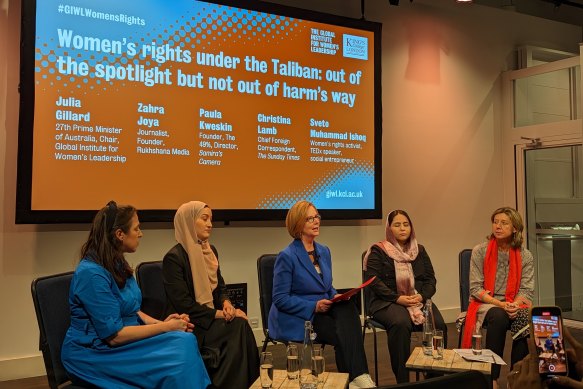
(554, 217)
(542, 137)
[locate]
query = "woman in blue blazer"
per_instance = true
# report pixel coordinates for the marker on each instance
(302, 290)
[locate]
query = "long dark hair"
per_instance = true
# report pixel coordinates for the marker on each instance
(103, 247)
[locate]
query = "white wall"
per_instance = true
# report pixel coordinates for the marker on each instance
(441, 159)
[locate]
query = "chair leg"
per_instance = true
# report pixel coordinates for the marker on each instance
(461, 334)
(376, 361)
(265, 345)
(374, 333)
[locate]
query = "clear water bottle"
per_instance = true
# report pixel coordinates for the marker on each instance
(428, 328)
(308, 380)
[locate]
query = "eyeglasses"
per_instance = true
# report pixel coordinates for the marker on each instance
(311, 219)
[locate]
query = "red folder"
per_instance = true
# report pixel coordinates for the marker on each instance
(352, 292)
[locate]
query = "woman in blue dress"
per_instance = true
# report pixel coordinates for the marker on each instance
(110, 342)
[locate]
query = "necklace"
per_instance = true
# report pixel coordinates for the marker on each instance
(315, 258)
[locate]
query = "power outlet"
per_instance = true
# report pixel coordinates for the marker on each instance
(254, 322)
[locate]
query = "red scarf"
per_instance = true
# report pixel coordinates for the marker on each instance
(512, 285)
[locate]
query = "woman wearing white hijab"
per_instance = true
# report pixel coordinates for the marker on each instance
(405, 280)
(194, 285)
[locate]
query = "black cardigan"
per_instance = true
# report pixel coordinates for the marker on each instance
(383, 291)
(180, 289)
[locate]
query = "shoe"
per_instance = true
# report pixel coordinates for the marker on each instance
(362, 381)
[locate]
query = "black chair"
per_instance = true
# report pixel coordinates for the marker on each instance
(50, 296)
(464, 380)
(371, 324)
(151, 283)
(464, 259)
(265, 265)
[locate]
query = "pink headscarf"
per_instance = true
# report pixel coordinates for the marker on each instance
(203, 263)
(402, 258)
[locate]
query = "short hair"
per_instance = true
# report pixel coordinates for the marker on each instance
(296, 218)
(517, 224)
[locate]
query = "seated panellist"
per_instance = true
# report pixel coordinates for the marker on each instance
(110, 342)
(302, 290)
(194, 285)
(405, 280)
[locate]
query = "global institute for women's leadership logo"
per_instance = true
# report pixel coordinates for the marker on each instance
(355, 46)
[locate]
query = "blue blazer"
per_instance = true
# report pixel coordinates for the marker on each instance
(297, 287)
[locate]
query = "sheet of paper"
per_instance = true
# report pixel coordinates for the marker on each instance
(486, 356)
(352, 292)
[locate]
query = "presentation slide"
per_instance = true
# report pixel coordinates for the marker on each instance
(154, 103)
(545, 326)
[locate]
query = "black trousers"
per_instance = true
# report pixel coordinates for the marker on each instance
(235, 358)
(497, 322)
(397, 321)
(341, 327)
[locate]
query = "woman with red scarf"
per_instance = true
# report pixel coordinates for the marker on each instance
(405, 280)
(501, 282)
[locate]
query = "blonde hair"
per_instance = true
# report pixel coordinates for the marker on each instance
(517, 224)
(296, 218)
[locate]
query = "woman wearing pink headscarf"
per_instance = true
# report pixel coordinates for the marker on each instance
(194, 285)
(405, 280)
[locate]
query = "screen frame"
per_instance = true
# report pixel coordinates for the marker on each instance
(26, 215)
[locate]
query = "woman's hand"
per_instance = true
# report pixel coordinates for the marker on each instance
(407, 301)
(511, 309)
(241, 314)
(172, 316)
(525, 374)
(185, 317)
(228, 310)
(417, 297)
(521, 301)
(178, 322)
(175, 323)
(322, 306)
(189, 325)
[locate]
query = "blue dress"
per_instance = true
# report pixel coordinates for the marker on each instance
(99, 309)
